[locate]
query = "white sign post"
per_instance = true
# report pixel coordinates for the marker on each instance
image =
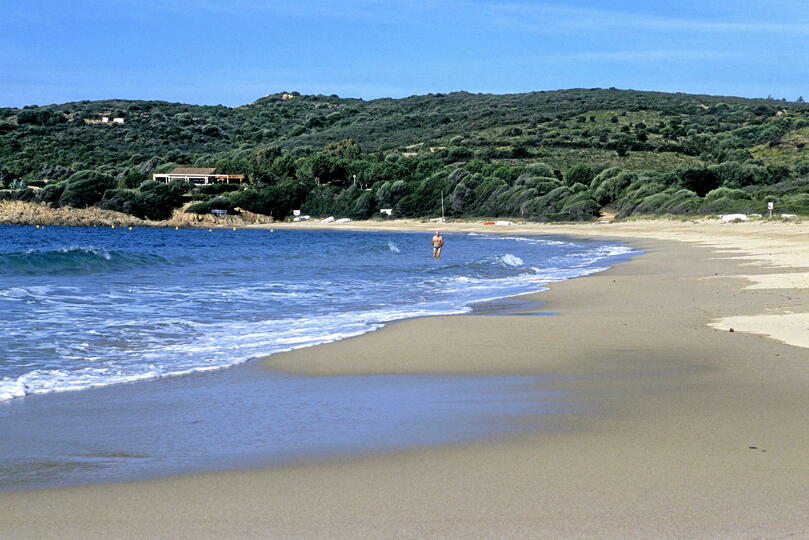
(770, 206)
(296, 213)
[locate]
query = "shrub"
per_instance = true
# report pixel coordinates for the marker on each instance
(682, 202)
(798, 204)
(459, 153)
(364, 206)
(216, 189)
(540, 169)
(123, 200)
(217, 203)
(736, 175)
(728, 205)
(51, 193)
(580, 173)
(85, 188)
(698, 180)
(604, 175)
(25, 194)
(723, 192)
(581, 209)
(653, 204)
(160, 200)
(613, 187)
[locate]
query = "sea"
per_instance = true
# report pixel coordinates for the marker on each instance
(125, 354)
(88, 306)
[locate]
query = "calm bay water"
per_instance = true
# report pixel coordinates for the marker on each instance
(85, 307)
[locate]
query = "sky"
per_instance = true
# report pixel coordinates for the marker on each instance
(232, 52)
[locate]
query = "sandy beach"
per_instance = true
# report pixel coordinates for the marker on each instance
(685, 429)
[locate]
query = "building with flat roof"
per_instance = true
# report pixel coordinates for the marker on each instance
(198, 176)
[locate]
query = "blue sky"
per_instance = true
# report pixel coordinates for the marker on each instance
(234, 51)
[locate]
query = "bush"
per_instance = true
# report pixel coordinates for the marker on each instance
(797, 204)
(540, 169)
(736, 175)
(580, 173)
(459, 153)
(51, 193)
(729, 205)
(123, 200)
(653, 204)
(698, 180)
(25, 194)
(613, 188)
(277, 201)
(726, 193)
(580, 207)
(160, 199)
(216, 189)
(217, 203)
(682, 202)
(85, 188)
(605, 175)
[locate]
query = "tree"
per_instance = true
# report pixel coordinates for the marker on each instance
(346, 149)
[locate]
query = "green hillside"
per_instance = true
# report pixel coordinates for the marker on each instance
(558, 155)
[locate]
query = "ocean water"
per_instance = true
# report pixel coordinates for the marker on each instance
(89, 307)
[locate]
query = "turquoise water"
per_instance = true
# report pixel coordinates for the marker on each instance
(87, 307)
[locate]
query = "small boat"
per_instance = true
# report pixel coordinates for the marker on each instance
(488, 222)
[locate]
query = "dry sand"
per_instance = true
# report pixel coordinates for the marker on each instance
(686, 430)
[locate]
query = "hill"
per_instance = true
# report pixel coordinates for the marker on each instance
(559, 155)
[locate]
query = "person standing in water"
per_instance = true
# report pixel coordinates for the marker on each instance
(438, 243)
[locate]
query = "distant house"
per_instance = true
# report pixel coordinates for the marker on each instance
(198, 176)
(117, 120)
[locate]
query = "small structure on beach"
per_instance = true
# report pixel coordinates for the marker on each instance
(198, 176)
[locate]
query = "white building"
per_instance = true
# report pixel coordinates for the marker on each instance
(198, 176)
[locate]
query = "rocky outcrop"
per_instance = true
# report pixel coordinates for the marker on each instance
(26, 213)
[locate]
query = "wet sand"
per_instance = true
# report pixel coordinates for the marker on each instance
(683, 429)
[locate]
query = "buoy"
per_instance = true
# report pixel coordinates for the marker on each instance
(176, 228)
(130, 228)
(272, 230)
(210, 230)
(234, 228)
(112, 226)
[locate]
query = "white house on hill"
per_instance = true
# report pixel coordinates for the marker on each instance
(198, 176)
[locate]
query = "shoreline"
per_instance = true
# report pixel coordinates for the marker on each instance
(484, 304)
(689, 431)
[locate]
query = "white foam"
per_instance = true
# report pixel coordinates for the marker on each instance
(142, 345)
(511, 260)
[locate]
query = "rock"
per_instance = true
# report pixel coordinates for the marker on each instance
(27, 213)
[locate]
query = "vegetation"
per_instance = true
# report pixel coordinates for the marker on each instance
(560, 155)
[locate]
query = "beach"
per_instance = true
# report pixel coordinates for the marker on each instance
(683, 428)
